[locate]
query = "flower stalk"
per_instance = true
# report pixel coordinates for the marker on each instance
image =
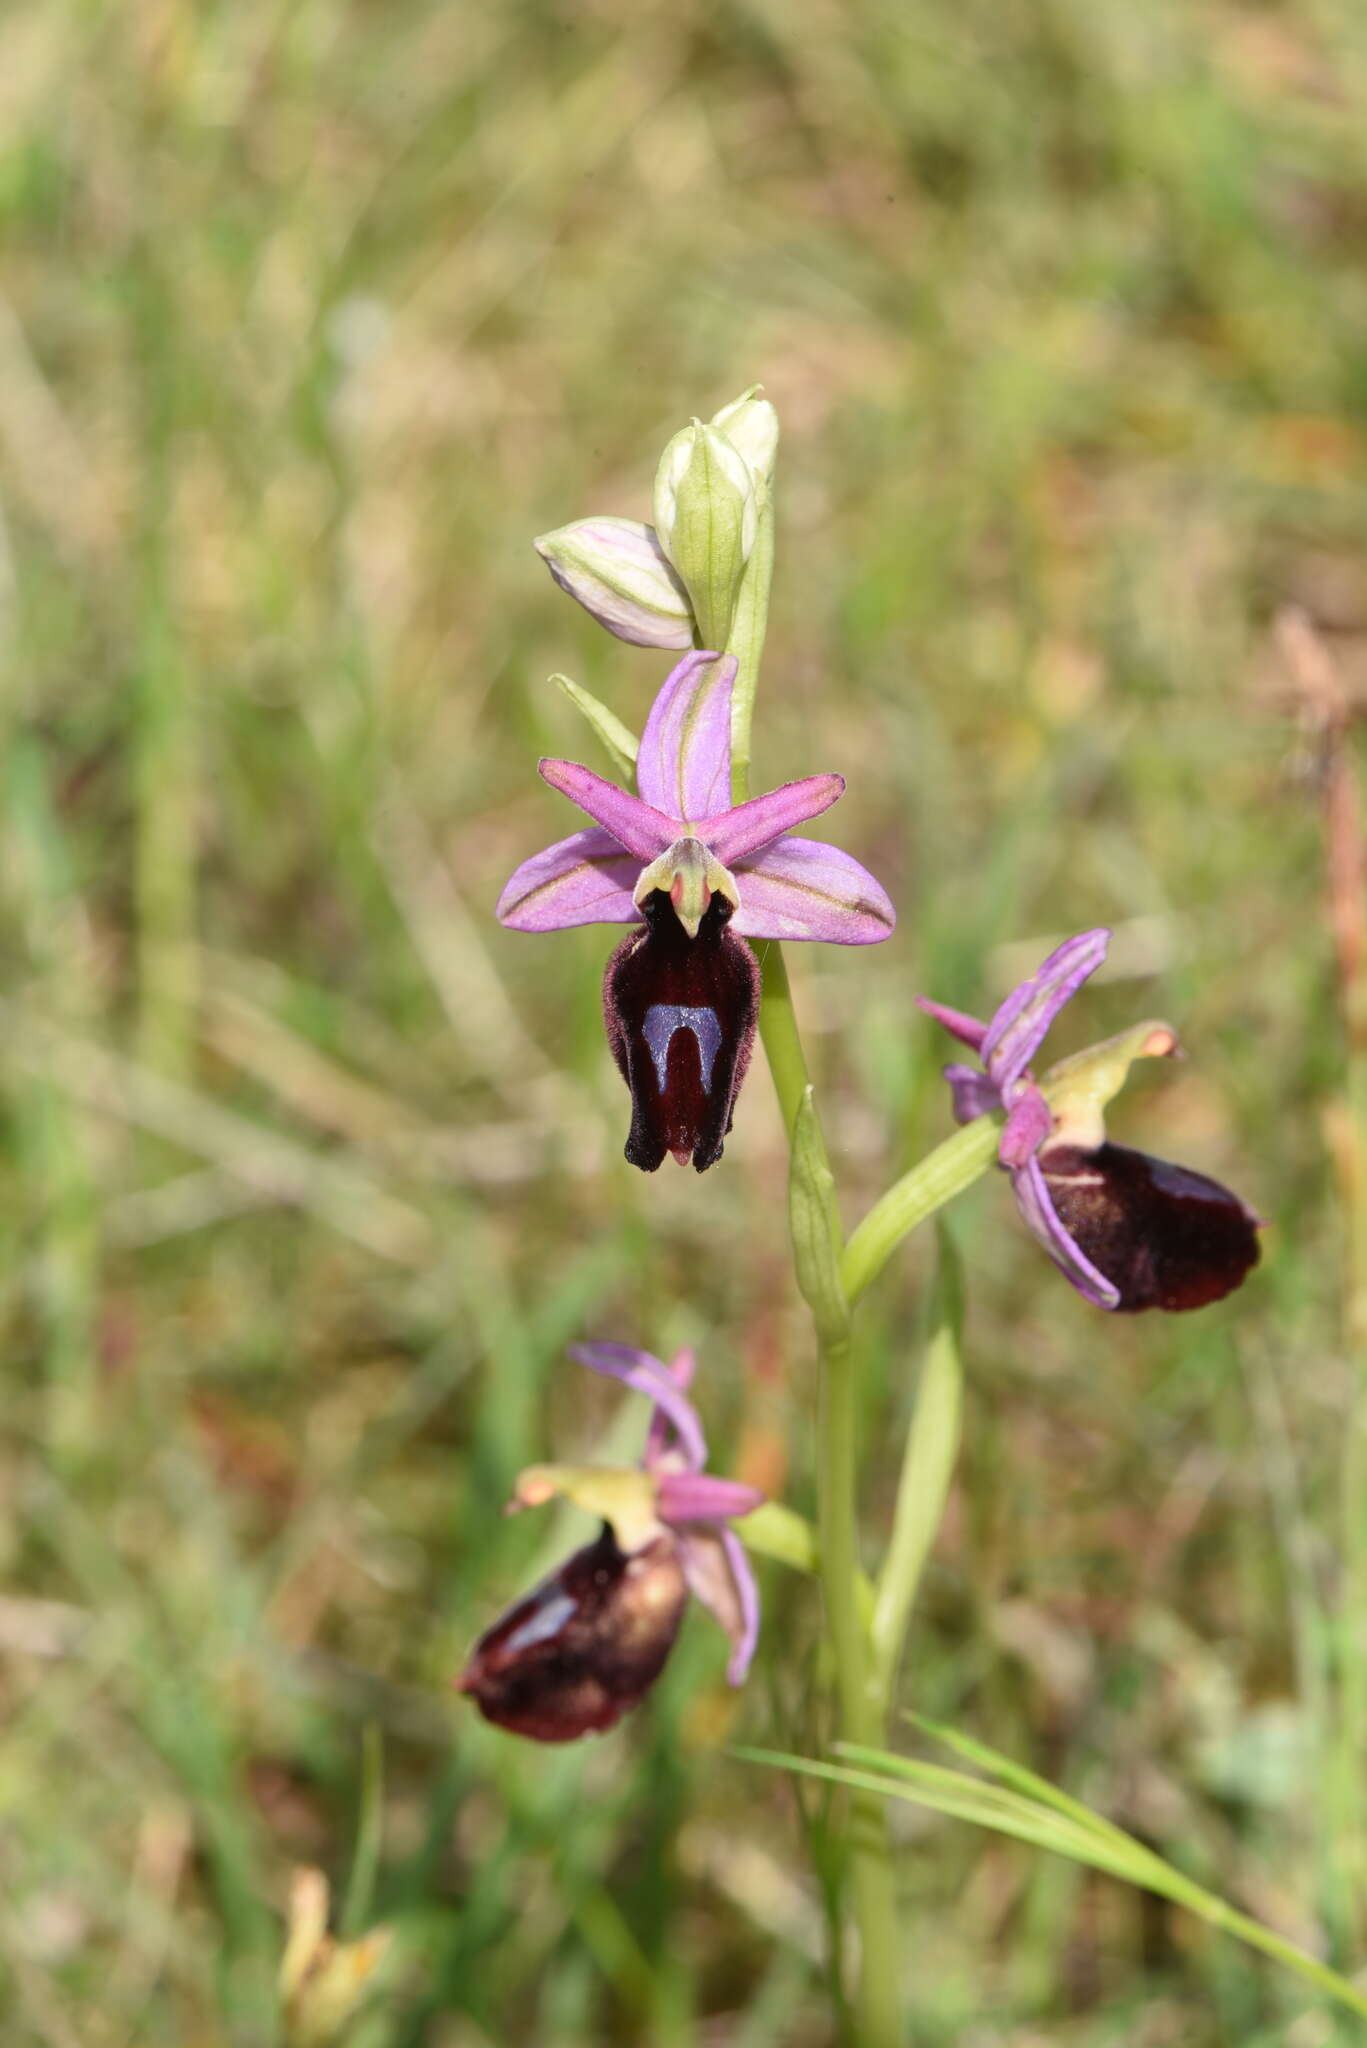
(818, 1243)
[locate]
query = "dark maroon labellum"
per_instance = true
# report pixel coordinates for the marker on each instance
(580, 1650)
(680, 1016)
(1166, 1237)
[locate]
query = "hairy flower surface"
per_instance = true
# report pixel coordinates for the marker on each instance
(587, 1643)
(1130, 1232)
(694, 873)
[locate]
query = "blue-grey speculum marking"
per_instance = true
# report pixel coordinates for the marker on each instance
(662, 1020)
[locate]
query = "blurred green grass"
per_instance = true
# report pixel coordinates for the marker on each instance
(311, 316)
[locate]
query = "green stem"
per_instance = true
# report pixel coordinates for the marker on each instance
(779, 1034)
(861, 1704)
(844, 1587)
(365, 1862)
(774, 1531)
(941, 1175)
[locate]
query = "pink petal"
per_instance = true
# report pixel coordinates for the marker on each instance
(638, 827)
(974, 1095)
(682, 1365)
(733, 834)
(1026, 1128)
(645, 1374)
(969, 1030)
(1017, 1031)
(585, 879)
(719, 1574)
(1043, 1220)
(804, 889)
(684, 763)
(698, 1497)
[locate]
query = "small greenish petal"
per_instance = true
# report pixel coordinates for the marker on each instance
(811, 1218)
(1078, 1089)
(776, 1531)
(618, 739)
(616, 1494)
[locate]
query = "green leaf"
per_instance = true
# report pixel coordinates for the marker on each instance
(927, 1465)
(618, 739)
(1014, 1774)
(1047, 1819)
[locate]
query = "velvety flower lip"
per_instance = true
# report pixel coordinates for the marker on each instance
(1129, 1232)
(787, 887)
(584, 1646)
(680, 1015)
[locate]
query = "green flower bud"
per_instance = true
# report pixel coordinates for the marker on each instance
(617, 571)
(750, 424)
(705, 520)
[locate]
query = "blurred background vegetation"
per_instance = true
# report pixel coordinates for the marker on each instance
(311, 315)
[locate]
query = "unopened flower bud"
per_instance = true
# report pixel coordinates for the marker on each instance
(750, 424)
(617, 570)
(705, 519)
(323, 1981)
(580, 1651)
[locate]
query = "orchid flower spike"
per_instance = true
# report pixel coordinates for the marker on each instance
(1130, 1232)
(694, 874)
(584, 1647)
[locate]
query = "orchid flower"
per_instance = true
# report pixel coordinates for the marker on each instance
(695, 874)
(584, 1647)
(1130, 1232)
